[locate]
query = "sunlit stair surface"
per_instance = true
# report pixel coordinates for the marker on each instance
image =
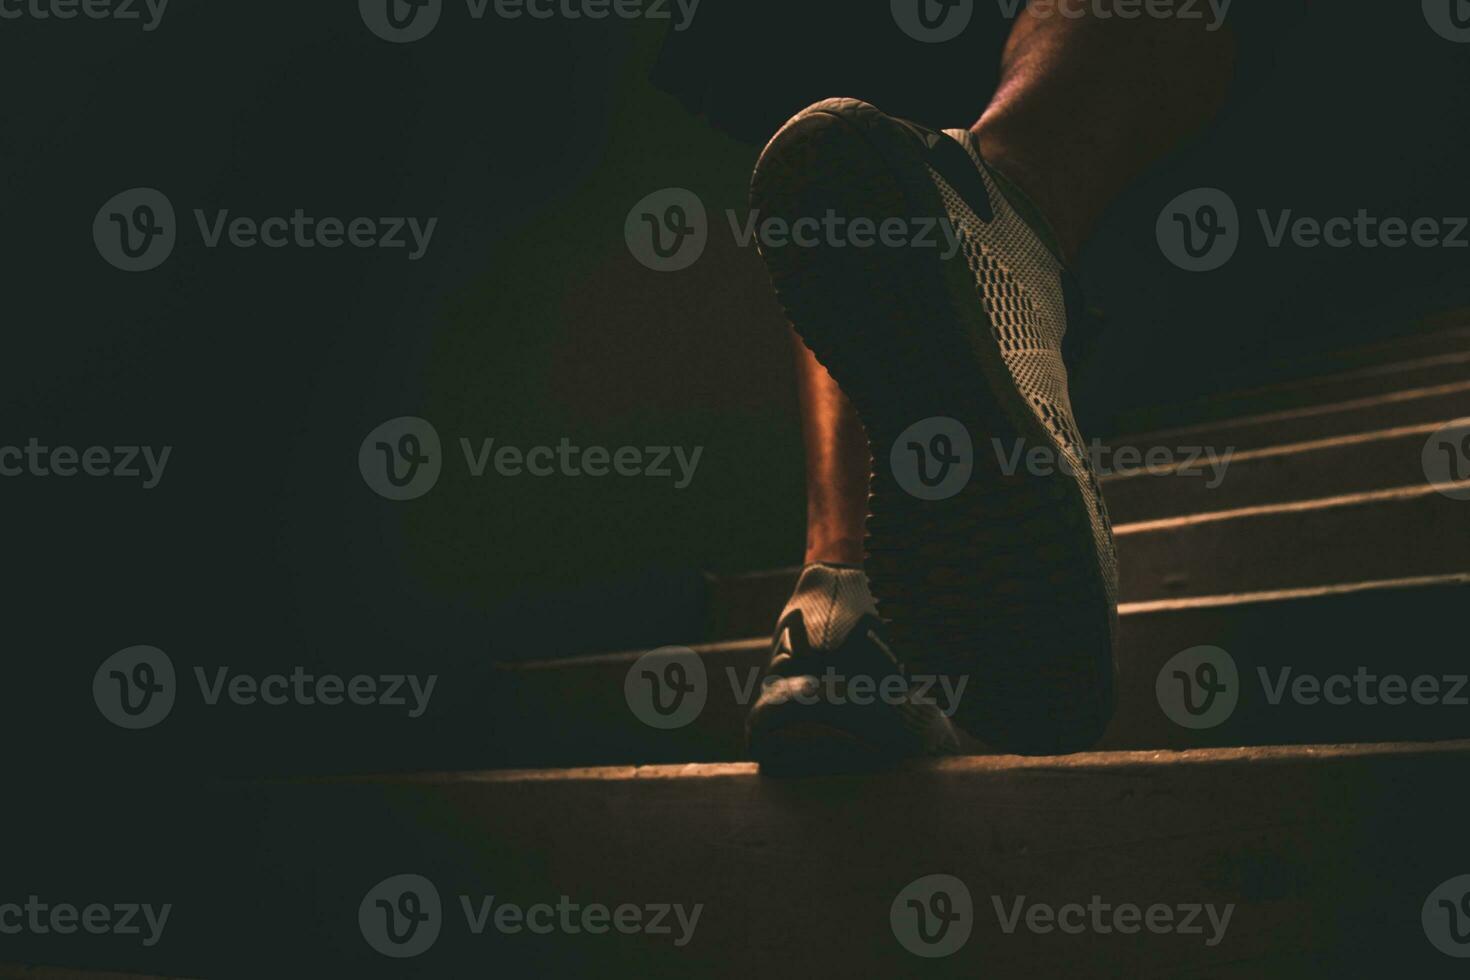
(1281, 792)
(1324, 859)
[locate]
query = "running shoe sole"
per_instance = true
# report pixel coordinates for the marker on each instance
(1003, 583)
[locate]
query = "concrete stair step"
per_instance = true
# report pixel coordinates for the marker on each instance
(1347, 464)
(1402, 363)
(1395, 370)
(1313, 790)
(1358, 423)
(579, 711)
(1381, 534)
(1398, 532)
(1313, 421)
(1325, 857)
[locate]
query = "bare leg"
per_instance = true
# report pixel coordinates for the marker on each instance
(837, 466)
(1083, 107)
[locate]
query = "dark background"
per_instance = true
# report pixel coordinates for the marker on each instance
(529, 321)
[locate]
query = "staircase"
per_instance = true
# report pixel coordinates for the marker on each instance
(1321, 584)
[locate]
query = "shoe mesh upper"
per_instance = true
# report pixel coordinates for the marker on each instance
(832, 601)
(1019, 282)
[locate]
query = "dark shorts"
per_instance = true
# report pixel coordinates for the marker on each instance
(749, 65)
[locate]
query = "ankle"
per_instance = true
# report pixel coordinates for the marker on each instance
(1068, 227)
(833, 550)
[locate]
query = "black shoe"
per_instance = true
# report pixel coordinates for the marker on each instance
(834, 698)
(952, 356)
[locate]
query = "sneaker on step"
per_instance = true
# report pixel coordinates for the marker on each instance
(989, 549)
(835, 697)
